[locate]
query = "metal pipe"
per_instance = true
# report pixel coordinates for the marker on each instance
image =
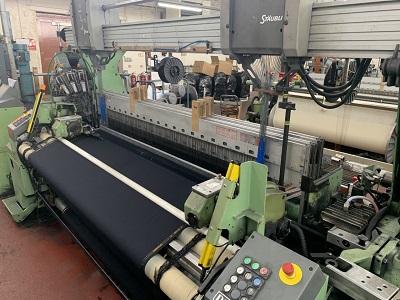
(61, 205)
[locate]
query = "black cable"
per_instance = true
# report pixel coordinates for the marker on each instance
(176, 257)
(302, 238)
(223, 245)
(216, 261)
(357, 79)
(374, 221)
(373, 196)
(330, 88)
(314, 85)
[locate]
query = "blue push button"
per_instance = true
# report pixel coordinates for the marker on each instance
(257, 281)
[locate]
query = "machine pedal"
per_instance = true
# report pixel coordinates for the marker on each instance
(17, 212)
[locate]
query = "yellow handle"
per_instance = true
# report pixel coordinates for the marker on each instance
(207, 255)
(233, 172)
(36, 108)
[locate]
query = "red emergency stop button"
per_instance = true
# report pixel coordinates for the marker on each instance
(288, 269)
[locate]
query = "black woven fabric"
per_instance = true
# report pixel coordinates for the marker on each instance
(131, 225)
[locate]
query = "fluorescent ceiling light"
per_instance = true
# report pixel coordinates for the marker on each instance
(179, 6)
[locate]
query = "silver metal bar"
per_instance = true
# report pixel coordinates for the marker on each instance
(359, 283)
(160, 153)
(189, 261)
(124, 3)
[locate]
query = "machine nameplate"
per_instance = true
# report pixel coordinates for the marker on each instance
(209, 187)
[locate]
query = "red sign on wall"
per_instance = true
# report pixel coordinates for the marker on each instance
(32, 45)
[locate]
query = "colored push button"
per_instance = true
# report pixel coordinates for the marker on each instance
(235, 294)
(255, 266)
(288, 269)
(247, 260)
(250, 291)
(240, 270)
(248, 276)
(227, 288)
(244, 298)
(290, 273)
(234, 279)
(264, 271)
(257, 281)
(242, 285)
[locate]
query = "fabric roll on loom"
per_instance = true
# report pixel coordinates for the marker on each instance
(117, 214)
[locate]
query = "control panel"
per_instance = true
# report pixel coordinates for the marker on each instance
(19, 125)
(264, 269)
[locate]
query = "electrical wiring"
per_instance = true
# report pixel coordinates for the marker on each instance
(214, 265)
(345, 95)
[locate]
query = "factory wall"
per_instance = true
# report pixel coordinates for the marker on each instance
(24, 21)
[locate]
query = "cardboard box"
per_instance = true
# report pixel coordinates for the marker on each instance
(222, 66)
(202, 67)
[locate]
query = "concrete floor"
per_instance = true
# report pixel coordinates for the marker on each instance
(43, 262)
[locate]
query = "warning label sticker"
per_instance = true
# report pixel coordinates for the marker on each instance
(226, 132)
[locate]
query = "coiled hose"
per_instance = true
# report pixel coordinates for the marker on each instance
(302, 238)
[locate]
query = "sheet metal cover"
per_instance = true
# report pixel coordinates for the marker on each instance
(133, 225)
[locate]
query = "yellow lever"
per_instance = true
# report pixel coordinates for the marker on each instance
(207, 255)
(233, 172)
(36, 108)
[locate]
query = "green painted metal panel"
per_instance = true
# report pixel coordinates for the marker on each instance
(7, 115)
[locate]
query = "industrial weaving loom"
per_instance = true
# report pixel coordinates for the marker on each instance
(287, 220)
(119, 215)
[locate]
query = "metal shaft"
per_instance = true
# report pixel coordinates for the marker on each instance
(396, 164)
(288, 107)
(284, 145)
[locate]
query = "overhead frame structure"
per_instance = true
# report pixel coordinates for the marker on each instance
(164, 34)
(354, 29)
(351, 29)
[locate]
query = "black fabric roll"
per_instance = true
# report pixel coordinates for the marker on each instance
(134, 285)
(133, 226)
